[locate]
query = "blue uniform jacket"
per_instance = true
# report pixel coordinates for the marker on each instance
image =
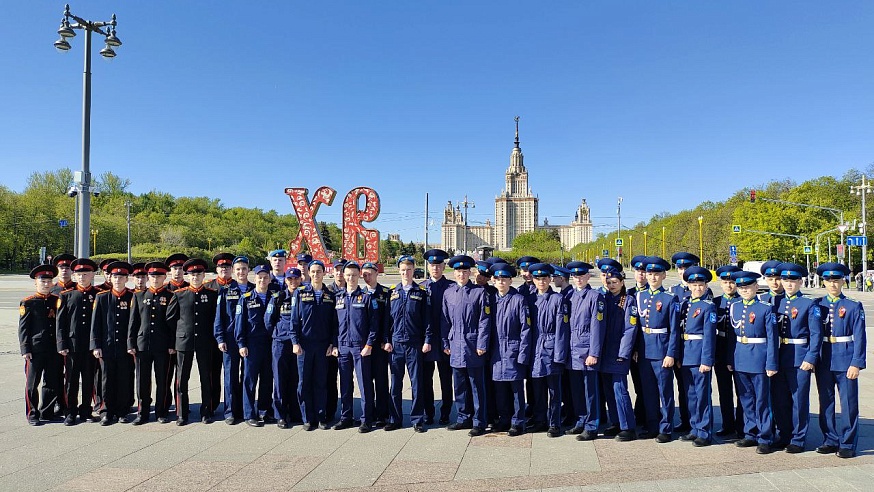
(551, 337)
(249, 325)
(380, 294)
(657, 310)
(682, 292)
(586, 326)
(356, 318)
(278, 315)
(435, 292)
(754, 319)
(465, 326)
(724, 331)
(843, 317)
(313, 321)
(406, 319)
(772, 299)
(619, 334)
(799, 317)
(225, 312)
(511, 337)
(700, 319)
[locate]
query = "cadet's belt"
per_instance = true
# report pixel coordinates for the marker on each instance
(838, 339)
(687, 336)
(720, 333)
(655, 331)
(746, 340)
(793, 341)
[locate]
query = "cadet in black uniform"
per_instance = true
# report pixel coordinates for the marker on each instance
(63, 262)
(224, 265)
(36, 334)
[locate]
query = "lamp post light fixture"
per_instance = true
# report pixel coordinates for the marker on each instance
(67, 31)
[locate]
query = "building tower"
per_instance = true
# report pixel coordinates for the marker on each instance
(516, 207)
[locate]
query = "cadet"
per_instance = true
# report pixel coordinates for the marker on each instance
(379, 357)
(278, 259)
(407, 336)
(357, 331)
(510, 351)
(483, 277)
(154, 340)
(755, 361)
(253, 338)
(104, 269)
(110, 323)
(842, 357)
(303, 262)
(313, 335)
(799, 323)
(37, 331)
(639, 268)
(223, 331)
(339, 280)
(657, 347)
(606, 265)
(770, 270)
(175, 263)
(191, 315)
(732, 413)
(698, 323)
(561, 279)
(73, 337)
(139, 276)
(527, 288)
(586, 337)
(286, 408)
(617, 347)
(465, 330)
(333, 362)
(63, 262)
(436, 284)
(224, 269)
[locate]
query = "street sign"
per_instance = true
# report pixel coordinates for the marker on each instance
(732, 260)
(735, 229)
(857, 240)
(808, 250)
(605, 253)
(619, 241)
(62, 223)
(732, 250)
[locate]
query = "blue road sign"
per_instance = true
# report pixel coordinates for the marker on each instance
(857, 240)
(735, 229)
(732, 250)
(808, 250)
(62, 223)
(605, 253)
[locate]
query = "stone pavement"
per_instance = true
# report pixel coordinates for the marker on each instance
(222, 457)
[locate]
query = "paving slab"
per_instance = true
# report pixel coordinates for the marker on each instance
(494, 462)
(555, 456)
(190, 475)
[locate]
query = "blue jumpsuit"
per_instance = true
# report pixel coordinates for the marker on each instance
(731, 412)
(223, 330)
(314, 328)
(465, 329)
(436, 358)
(357, 328)
(755, 352)
(510, 356)
(285, 376)
(699, 344)
(551, 346)
(799, 322)
(380, 358)
(844, 344)
(586, 338)
(407, 329)
(614, 364)
(659, 320)
(251, 332)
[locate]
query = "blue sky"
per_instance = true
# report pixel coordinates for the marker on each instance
(664, 103)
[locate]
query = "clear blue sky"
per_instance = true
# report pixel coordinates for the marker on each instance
(665, 103)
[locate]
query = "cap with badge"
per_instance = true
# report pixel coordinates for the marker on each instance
(351, 264)
(771, 268)
(44, 272)
(277, 253)
(494, 260)
(482, 267)
(656, 264)
(223, 259)
(638, 264)
(606, 264)
(292, 272)
(119, 268)
(579, 267)
(526, 261)
(104, 265)
(313, 263)
(461, 262)
(138, 270)
(697, 273)
(176, 259)
(435, 256)
(194, 265)
(84, 265)
(370, 265)
(724, 272)
(63, 260)
(406, 259)
(241, 259)
(792, 271)
(540, 270)
(156, 268)
(339, 264)
(742, 278)
(502, 270)
(560, 271)
(684, 259)
(261, 269)
(832, 271)
(304, 258)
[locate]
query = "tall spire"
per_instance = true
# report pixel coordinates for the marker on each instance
(516, 119)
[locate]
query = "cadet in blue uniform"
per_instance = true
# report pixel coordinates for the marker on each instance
(303, 262)
(657, 347)
(842, 357)
(286, 408)
(254, 340)
(407, 336)
(771, 271)
(639, 268)
(379, 357)
(37, 331)
(483, 277)
(73, 337)
(698, 323)
(586, 337)
(606, 265)
(465, 330)
(732, 413)
(551, 351)
(313, 335)
(109, 335)
(223, 330)
(333, 362)
(799, 323)
(527, 288)
(357, 331)
(510, 351)
(436, 284)
(754, 362)
(617, 348)
(278, 259)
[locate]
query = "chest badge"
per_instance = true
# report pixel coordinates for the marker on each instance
(696, 313)
(841, 312)
(752, 317)
(658, 305)
(794, 313)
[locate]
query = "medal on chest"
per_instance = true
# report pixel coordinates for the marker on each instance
(841, 312)
(794, 313)
(696, 313)
(752, 317)
(658, 305)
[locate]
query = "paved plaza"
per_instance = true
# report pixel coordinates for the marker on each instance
(222, 457)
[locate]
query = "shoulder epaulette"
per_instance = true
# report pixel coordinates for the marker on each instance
(670, 293)
(104, 292)
(29, 297)
(209, 288)
(68, 290)
(275, 294)
(708, 301)
(302, 287)
(392, 286)
(248, 294)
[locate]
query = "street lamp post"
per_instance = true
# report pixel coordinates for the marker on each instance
(644, 244)
(862, 190)
(663, 242)
(701, 238)
(83, 177)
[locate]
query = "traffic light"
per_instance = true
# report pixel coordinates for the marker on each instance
(752, 196)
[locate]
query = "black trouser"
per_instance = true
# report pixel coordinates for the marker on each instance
(115, 382)
(333, 391)
(42, 366)
(216, 370)
(444, 372)
(145, 361)
(382, 396)
(683, 401)
(639, 407)
(79, 366)
(184, 362)
(53, 397)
